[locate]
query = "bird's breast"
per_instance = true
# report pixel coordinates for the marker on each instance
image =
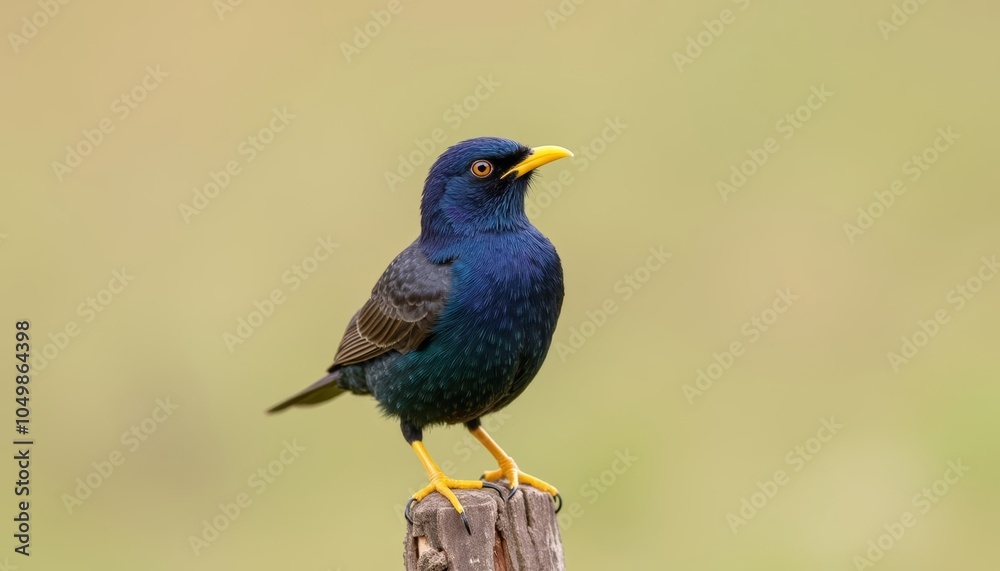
(505, 300)
(490, 339)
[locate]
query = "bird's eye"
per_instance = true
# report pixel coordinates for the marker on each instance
(482, 169)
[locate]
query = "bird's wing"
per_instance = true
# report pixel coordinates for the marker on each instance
(404, 306)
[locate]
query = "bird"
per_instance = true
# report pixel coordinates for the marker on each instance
(461, 320)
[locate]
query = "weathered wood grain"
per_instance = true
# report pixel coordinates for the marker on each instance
(519, 535)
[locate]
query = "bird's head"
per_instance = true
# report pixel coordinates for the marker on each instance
(479, 186)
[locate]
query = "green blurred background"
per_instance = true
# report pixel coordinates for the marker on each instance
(557, 73)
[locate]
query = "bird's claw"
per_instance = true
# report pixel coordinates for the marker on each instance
(499, 489)
(516, 477)
(465, 520)
(513, 490)
(496, 475)
(557, 501)
(406, 510)
(444, 486)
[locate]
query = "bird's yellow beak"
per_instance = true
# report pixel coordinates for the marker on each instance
(538, 157)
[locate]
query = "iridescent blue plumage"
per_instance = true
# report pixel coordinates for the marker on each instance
(461, 320)
(490, 339)
(499, 285)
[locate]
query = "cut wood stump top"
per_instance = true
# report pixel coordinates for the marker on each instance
(521, 534)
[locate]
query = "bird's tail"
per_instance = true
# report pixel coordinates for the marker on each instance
(320, 391)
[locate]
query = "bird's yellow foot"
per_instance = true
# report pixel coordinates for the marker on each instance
(444, 485)
(508, 469)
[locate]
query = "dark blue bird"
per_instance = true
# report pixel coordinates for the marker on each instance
(461, 320)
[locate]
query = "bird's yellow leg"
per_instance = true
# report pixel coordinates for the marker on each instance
(508, 468)
(443, 484)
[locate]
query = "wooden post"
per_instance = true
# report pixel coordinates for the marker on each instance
(518, 535)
